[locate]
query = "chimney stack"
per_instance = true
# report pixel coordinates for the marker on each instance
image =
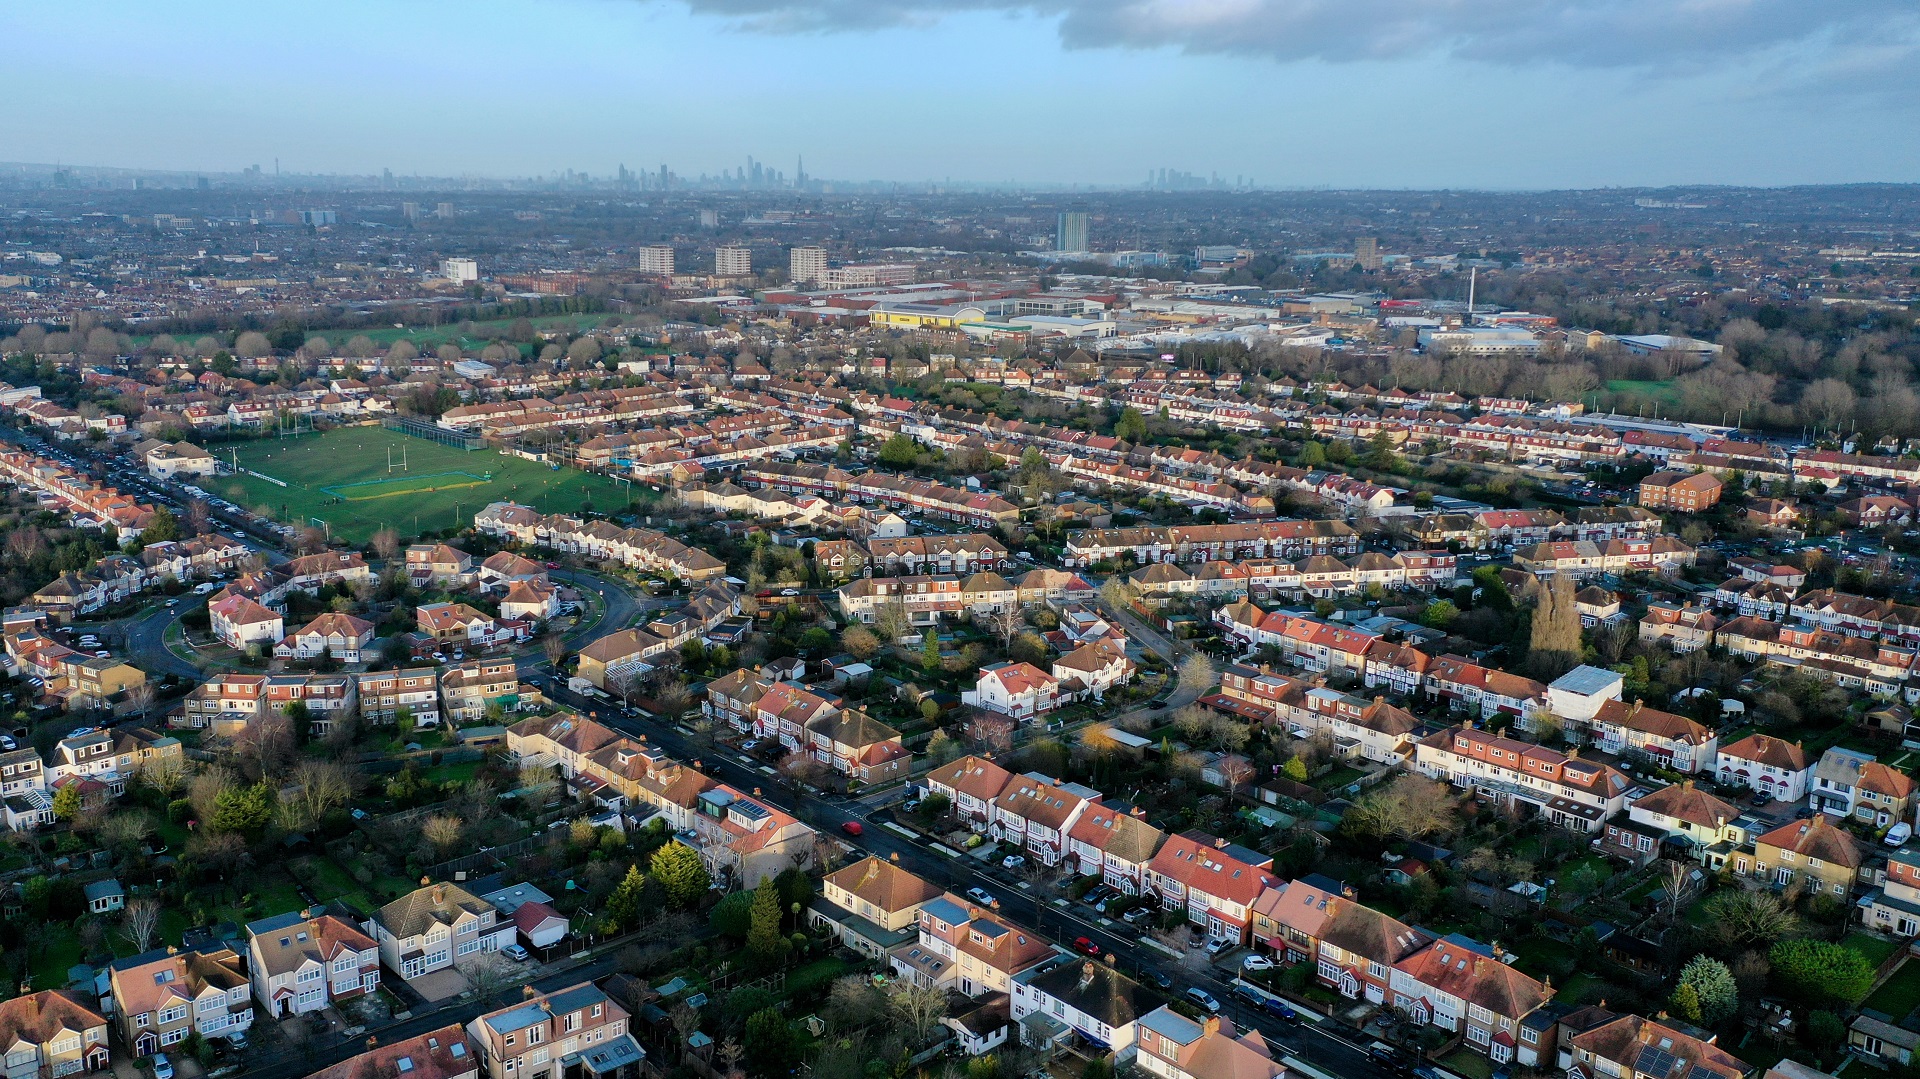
(439, 893)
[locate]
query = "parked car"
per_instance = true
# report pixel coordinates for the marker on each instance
(1256, 962)
(1388, 1057)
(1898, 834)
(1137, 915)
(162, 1067)
(1086, 944)
(1280, 1009)
(1220, 945)
(1013, 861)
(516, 953)
(1763, 798)
(981, 896)
(237, 1039)
(789, 591)
(1158, 977)
(1204, 999)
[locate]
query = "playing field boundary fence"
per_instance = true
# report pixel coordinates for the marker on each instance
(432, 432)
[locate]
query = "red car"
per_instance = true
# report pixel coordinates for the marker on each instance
(1086, 945)
(553, 565)
(852, 827)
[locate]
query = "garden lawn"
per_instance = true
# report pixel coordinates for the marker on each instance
(1876, 950)
(814, 975)
(1543, 955)
(341, 477)
(1899, 995)
(1464, 1061)
(62, 954)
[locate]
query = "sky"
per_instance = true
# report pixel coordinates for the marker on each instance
(1490, 94)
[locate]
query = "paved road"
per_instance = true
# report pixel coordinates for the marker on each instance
(146, 638)
(1330, 1045)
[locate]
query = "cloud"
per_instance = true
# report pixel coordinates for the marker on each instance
(1821, 38)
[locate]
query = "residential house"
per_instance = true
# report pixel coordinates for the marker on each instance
(1115, 845)
(574, 1032)
(111, 756)
(51, 1034)
(437, 1054)
(1093, 669)
(1036, 812)
(744, 839)
(1087, 1001)
(435, 926)
(414, 691)
(1463, 986)
(1816, 856)
(161, 997)
(871, 905)
(241, 623)
(1018, 689)
(615, 660)
(1358, 946)
(430, 564)
(971, 786)
(1629, 1047)
(734, 699)
(469, 690)
(1849, 783)
(1689, 492)
(1894, 907)
(1564, 789)
(964, 947)
(305, 961)
(23, 790)
(1216, 882)
(1766, 764)
(1683, 816)
(339, 636)
(1172, 1046)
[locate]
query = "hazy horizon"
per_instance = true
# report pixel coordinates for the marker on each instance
(1376, 94)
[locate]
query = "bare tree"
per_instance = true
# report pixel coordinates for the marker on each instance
(1410, 807)
(920, 1007)
(165, 774)
(1235, 772)
(319, 786)
(442, 830)
(487, 973)
(1196, 674)
(140, 698)
(892, 620)
(386, 543)
(555, 647)
(199, 516)
(139, 923)
(1004, 623)
(990, 732)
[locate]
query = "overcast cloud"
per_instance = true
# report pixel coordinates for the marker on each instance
(1865, 46)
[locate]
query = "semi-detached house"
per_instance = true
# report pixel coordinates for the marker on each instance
(1462, 986)
(1562, 788)
(1214, 881)
(1036, 812)
(305, 961)
(161, 997)
(435, 926)
(971, 785)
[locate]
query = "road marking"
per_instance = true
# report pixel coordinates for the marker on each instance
(892, 827)
(940, 848)
(767, 769)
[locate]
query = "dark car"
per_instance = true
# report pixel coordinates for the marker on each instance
(1157, 977)
(1389, 1058)
(1761, 799)
(1280, 1009)
(1249, 993)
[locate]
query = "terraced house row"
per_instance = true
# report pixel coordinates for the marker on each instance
(1283, 539)
(1317, 576)
(642, 548)
(977, 509)
(91, 502)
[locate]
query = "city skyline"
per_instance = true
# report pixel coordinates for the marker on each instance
(1260, 93)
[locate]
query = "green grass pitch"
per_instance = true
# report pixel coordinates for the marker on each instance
(341, 477)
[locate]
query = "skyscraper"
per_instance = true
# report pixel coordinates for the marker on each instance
(1366, 252)
(1072, 233)
(807, 265)
(656, 259)
(733, 260)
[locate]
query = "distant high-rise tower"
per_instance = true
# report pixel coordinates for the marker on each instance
(807, 265)
(410, 211)
(445, 212)
(733, 260)
(656, 259)
(460, 271)
(709, 219)
(1366, 252)
(1072, 233)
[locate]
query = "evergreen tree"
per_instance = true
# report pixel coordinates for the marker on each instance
(1555, 644)
(763, 935)
(681, 874)
(1716, 996)
(929, 651)
(66, 802)
(622, 908)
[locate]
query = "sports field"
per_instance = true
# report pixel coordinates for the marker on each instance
(342, 477)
